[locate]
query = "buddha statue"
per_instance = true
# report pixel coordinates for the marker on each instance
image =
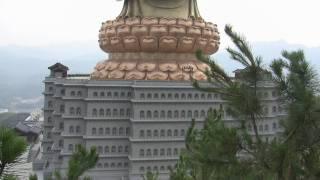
(161, 8)
(156, 40)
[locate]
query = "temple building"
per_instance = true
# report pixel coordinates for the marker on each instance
(136, 106)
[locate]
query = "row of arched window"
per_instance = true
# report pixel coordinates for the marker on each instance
(265, 127)
(155, 168)
(112, 149)
(112, 165)
(112, 94)
(75, 111)
(76, 94)
(111, 112)
(74, 129)
(170, 96)
(159, 152)
(111, 131)
(173, 114)
(162, 133)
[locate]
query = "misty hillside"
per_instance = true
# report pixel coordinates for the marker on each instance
(23, 69)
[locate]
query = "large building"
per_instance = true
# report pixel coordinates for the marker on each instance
(136, 107)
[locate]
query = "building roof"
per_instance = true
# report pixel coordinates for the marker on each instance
(58, 67)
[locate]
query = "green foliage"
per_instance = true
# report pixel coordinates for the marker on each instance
(150, 176)
(217, 152)
(10, 177)
(11, 147)
(80, 161)
(33, 177)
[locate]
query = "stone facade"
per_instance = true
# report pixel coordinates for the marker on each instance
(136, 125)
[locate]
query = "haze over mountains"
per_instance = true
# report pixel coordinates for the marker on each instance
(23, 69)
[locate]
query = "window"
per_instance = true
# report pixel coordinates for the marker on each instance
(119, 165)
(106, 149)
(107, 130)
(274, 109)
(94, 131)
(266, 127)
(128, 112)
(70, 147)
(163, 96)
(169, 133)
(183, 96)
(189, 114)
(127, 131)
(170, 96)
(122, 94)
(189, 96)
(260, 127)
(79, 93)
(94, 112)
(141, 152)
(115, 112)
(266, 110)
(78, 130)
(100, 149)
(168, 152)
(162, 133)
(73, 93)
(126, 149)
(49, 135)
(49, 120)
(113, 165)
(141, 133)
(148, 152)
(149, 114)
(155, 152)
(203, 114)
(113, 149)
(102, 94)
(209, 96)
(78, 111)
(266, 94)
(61, 143)
(50, 89)
(176, 114)
(203, 96)
(61, 108)
(63, 92)
(196, 96)
(108, 112)
(100, 131)
(101, 112)
(120, 149)
(162, 168)
(176, 96)
(109, 94)
(155, 168)
(183, 114)
(121, 131)
(121, 112)
(274, 126)
(61, 125)
(95, 94)
(169, 114)
(149, 96)
(183, 132)
(162, 114)
(175, 151)
(155, 114)
(114, 131)
(249, 127)
(126, 164)
(71, 129)
(176, 132)
(106, 165)
(155, 133)
(142, 114)
(99, 165)
(71, 111)
(141, 96)
(162, 152)
(196, 114)
(141, 169)
(149, 133)
(116, 94)
(129, 94)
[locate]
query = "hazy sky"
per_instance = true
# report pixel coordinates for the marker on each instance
(45, 22)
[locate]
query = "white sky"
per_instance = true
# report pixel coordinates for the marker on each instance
(45, 22)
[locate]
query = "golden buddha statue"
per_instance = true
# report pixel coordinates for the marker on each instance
(156, 40)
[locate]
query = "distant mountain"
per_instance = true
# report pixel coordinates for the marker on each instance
(23, 69)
